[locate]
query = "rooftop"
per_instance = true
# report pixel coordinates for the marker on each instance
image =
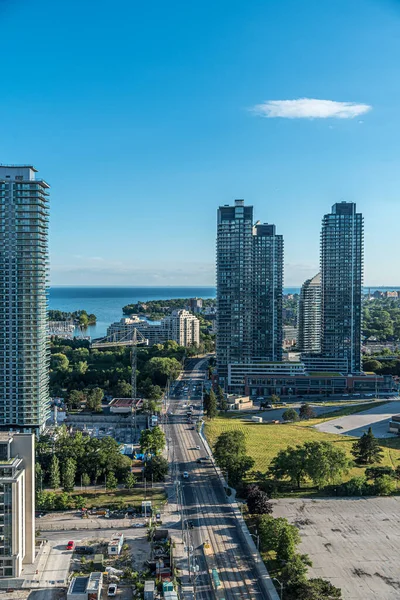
(124, 402)
(80, 585)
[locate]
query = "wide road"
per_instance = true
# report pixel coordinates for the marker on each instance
(208, 516)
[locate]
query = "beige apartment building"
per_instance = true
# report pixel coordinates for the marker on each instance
(17, 502)
(180, 326)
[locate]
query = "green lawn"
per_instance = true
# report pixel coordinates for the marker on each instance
(265, 440)
(100, 498)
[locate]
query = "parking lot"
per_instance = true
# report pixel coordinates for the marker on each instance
(353, 542)
(377, 418)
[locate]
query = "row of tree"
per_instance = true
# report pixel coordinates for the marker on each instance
(281, 539)
(79, 317)
(79, 460)
(152, 443)
(74, 366)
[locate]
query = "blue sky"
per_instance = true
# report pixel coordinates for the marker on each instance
(141, 116)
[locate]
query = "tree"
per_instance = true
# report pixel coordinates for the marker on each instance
(384, 485)
(130, 481)
(68, 475)
(317, 589)
(81, 367)
(290, 415)
(287, 543)
(275, 399)
(80, 502)
(222, 402)
(295, 569)
(38, 477)
(306, 411)
(238, 467)
(210, 406)
(290, 463)
(122, 389)
(322, 462)
(229, 444)
(375, 472)
(156, 468)
(161, 369)
(152, 441)
(83, 320)
(356, 486)
(55, 478)
(111, 482)
(325, 463)
(94, 399)
(366, 449)
(59, 362)
(278, 534)
(63, 501)
(85, 480)
(258, 501)
(75, 399)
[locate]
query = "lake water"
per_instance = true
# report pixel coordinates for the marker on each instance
(107, 302)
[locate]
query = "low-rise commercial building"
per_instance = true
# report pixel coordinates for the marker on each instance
(237, 373)
(86, 588)
(115, 544)
(239, 402)
(324, 383)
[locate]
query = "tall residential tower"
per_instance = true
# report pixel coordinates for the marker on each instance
(309, 316)
(249, 289)
(24, 352)
(342, 240)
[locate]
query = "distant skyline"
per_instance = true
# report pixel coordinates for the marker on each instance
(144, 125)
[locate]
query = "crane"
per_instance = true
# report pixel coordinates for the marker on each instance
(132, 338)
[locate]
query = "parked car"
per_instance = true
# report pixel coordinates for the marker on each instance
(185, 475)
(70, 545)
(84, 550)
(112, 589)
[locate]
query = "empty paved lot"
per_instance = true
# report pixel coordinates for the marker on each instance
(377, 417)
(353, 542)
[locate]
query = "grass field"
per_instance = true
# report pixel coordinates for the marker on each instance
(265, 440)
(101, 499)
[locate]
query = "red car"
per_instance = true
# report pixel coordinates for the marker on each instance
(70, 545)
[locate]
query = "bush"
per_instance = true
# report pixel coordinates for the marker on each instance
(357, 486)
(384, 485)
(290, 415)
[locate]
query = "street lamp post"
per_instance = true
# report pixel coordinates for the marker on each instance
(257, 537)
(280, 585)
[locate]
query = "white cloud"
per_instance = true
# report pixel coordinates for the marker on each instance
(309, 108)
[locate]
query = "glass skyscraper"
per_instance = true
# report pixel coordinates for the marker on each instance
(24, 350)
(249, 289)
(342, 240)
(309, 316)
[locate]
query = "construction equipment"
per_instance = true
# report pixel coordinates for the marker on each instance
(132, 338)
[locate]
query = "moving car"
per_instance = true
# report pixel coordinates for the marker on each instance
(112, 589)
(185, 475)
(70, 545)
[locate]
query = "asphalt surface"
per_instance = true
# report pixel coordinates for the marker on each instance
(377, 417)
(208, 516)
